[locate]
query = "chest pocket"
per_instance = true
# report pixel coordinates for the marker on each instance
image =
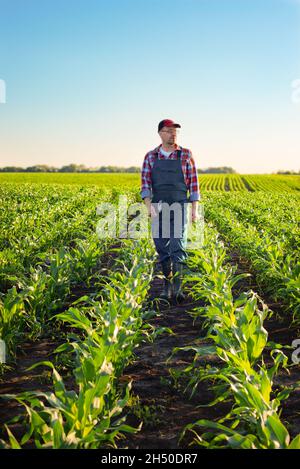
(171, 170)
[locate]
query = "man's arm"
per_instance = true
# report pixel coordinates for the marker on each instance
(146, 183)
(193, 186)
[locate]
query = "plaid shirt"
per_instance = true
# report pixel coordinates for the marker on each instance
(188, 168)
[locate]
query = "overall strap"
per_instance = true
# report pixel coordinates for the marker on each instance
(177, 151)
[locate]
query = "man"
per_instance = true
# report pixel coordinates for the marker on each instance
(168, 174)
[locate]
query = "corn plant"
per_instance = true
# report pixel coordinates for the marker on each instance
(13, 319)
(70, 419)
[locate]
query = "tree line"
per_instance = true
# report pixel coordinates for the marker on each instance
(80, 168)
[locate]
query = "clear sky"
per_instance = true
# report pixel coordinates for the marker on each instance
(87, 81)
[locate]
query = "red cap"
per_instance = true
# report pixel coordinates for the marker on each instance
(167, 123)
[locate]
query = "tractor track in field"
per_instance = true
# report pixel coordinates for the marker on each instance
(247, 185)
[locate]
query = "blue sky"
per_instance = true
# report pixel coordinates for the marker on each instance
(88, 81)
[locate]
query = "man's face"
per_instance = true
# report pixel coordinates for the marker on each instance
(168, 135)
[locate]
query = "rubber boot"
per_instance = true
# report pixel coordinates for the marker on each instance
(177, 279)
(166, 293)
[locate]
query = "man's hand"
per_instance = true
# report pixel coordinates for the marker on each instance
(150, 208)
(152, 211)
(194, 216)
(194, 212)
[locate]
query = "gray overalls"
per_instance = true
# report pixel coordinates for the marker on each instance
(168, 186)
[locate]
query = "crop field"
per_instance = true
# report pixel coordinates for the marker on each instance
(91, 359)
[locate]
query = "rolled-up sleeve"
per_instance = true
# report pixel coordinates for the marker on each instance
(192, 176)
(146, 185)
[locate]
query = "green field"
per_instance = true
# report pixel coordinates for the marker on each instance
(208, 182)
(91, 299)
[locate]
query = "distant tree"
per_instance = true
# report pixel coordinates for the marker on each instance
(39, 168)
(217, 170)
(81, 168)
(70, 168)
(133, 169)
(287, 172)
(12, 169)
